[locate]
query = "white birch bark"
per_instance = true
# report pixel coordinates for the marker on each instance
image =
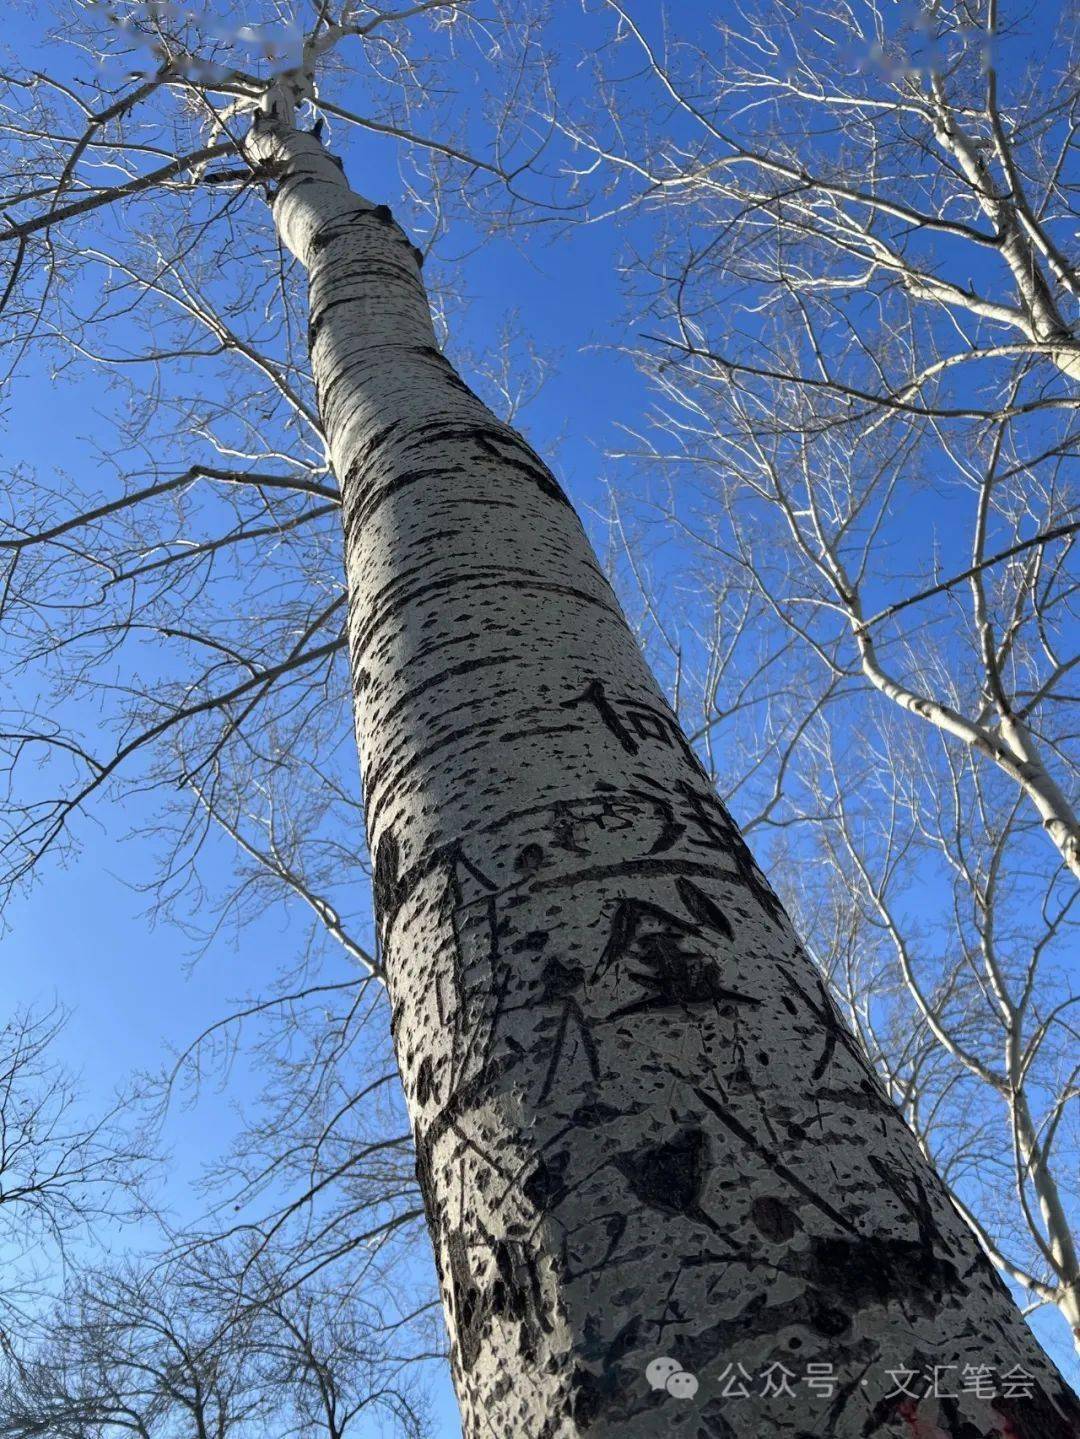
(642, 1129)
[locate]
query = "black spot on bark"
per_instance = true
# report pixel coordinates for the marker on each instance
(623, 1342)
(532, 942)
(545, 1186)
(667, 1177)
(425, 1182)
(516, 1295)
(434, 354)
(561, 980)
(872, 1269)
(322, 237)
(529, 859)
(425, 1081)
(289, 187)
(714, 1424)
(387, 883)
(470, 1313)
(588, 1116)
(827, 1319)
(773, 1218)
(957, 1426)
(592, 1395)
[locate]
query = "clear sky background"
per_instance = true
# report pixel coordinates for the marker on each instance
(82, 935)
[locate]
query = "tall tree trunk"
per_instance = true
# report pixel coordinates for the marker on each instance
(642, 1129)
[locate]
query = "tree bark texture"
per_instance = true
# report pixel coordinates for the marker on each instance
(642, 1129)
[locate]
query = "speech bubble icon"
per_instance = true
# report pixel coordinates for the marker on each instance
(682, 1384)
(659, 1371)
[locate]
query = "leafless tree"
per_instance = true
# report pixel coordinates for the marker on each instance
(177, 1349)
(61, 1173)
(864, 349)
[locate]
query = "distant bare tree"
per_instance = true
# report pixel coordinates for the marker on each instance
(60, 1172)
(327, 1368)
(175, 1350)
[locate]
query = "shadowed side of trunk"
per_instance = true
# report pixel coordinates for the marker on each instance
(642, 1129)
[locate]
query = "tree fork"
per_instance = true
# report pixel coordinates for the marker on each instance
(642, 1128)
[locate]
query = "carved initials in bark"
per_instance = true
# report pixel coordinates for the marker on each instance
(670, 964)
(636, 722)
(708, 816)
(563, 985)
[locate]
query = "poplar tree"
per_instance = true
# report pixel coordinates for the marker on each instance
(652, 1157)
